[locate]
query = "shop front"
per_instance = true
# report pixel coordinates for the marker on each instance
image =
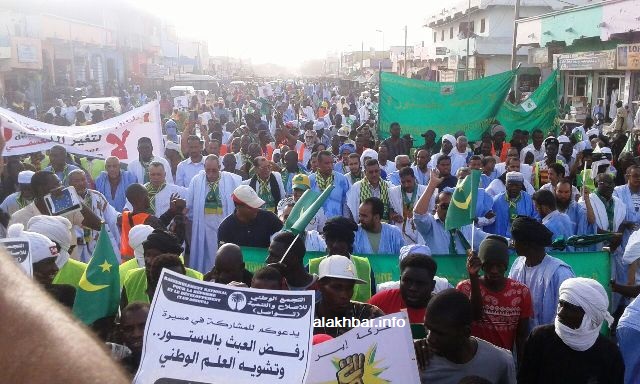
(629, 60)
(591, 78)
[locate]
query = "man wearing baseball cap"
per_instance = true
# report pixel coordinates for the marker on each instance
(248, 226)
(22, 197)
(337, 278)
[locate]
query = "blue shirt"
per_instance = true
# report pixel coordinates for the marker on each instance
(118, 200)
(578, 216)
(394, 178)
(187, 170)
(335, 204)
(544, 282)
(502, 224)
(432, 230)
(287, 178)
(64, 175)
(560, 225)
(390, 241)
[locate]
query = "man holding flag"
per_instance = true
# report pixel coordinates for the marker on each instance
(326, 177)
(454, 234)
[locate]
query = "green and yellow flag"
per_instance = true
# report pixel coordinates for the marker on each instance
(98, 293)
(305, 210)
(462, 209)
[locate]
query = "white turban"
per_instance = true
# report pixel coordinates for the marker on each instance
(589, 295)
(40, 247)
(370, 153)
(137, 235)
(597, 164)
(56, 228)
(449, 138)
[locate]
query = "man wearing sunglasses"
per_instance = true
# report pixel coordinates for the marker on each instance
(432, 228)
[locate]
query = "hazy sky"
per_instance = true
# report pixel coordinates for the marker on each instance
(287, 32)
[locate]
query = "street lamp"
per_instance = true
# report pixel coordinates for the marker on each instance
(382, 50)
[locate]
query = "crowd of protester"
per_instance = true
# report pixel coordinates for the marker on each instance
(235, 163)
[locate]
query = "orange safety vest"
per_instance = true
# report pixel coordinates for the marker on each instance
(503, 152)
(301, 152)
(129, 221)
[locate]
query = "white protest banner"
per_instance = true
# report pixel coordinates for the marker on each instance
(381, 353)
(18, 248)
(265, 91)
(117, 136)
(210, 333)
(181, 102)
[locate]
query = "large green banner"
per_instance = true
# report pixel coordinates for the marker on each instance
(539, 110)
(418, 105)
(594, 265)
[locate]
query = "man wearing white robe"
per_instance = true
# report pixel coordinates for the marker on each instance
(140, 166)
(208, 203)
(88, 238)
(606, 213)
(403, 198)
(378, 188)
(160, 193)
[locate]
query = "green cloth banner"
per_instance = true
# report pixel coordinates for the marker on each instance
(594, 265)
(418, 105)
(540, 110)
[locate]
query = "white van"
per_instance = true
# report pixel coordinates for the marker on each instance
(99, 102)
(182, 90)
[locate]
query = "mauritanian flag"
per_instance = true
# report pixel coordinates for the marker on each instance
(98, 293)
(305, 210)
(462, 209)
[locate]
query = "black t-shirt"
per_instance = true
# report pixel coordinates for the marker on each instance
(255, 234)
(548, 360)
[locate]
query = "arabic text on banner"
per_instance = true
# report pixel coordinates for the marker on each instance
(18, 248)
(211, 333)
(117, 136)
(382, 353)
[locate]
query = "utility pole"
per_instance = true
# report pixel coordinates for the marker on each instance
(405, 51)
(514, 46)
(466, 61)
(362, 57)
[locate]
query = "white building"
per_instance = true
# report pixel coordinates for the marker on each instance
(442, 55)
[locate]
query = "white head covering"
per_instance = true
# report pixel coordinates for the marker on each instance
(514, 177)
(449, 138)
(368, 153)
(592, 132)
(137, 235)
(56, 228)
(523, 154)
(589, 295)
(40, 246)
(596, 164)
(414, 248)
(24, 177)
(562, 139)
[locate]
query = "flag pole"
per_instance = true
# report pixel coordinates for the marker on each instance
(289, 249)
(473, 235)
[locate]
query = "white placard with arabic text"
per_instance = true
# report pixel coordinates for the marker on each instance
(117, 136)
(210, 333)
(18, 248)
(381, 353)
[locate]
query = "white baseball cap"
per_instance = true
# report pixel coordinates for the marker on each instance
(246, 195)
(338, 267)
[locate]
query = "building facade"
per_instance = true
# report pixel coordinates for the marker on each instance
(596, 47)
